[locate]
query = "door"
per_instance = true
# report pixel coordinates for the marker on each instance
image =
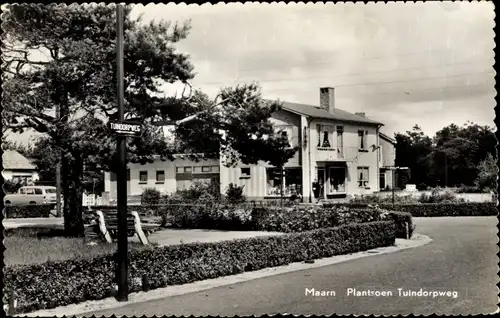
(382, 181)
(337, 179)
(321, 181)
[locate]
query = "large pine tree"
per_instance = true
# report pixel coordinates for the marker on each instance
(79, 76)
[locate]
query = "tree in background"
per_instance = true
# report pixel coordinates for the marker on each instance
(487, 177)
(458, 151)
(78, 75)
(412, 150)
(450, 158)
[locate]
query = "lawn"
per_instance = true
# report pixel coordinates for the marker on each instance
(39, 245)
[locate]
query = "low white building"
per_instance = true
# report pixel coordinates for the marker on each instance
(18, 168)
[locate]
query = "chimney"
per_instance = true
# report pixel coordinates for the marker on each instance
(360, 114)
(327, 98)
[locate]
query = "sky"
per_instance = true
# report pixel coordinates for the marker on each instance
(428, 63)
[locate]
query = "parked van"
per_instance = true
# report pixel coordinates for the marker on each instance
(32, 195)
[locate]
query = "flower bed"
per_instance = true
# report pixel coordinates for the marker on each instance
(53, 284)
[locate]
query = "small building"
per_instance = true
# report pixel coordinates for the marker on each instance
(165, 176)
(17, 168)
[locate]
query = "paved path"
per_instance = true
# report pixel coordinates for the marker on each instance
(13, 223)
(461, 258)
(161, 237)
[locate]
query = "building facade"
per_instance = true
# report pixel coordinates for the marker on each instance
(344, 152)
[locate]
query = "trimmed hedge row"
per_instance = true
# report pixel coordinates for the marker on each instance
(28, 211)
(445, 209)
(271, 219)
(62, 283)
(432, 209)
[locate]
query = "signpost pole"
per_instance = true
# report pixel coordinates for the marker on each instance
(122, 257)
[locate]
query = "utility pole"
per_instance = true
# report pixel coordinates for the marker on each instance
(445, 170)
(58, 169)
(121, 171)
(393, 185)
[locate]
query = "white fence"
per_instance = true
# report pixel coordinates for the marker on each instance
(93, 200)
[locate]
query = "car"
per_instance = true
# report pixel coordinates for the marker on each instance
(32, 195)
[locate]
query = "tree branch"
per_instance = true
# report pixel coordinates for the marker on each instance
(188, 118)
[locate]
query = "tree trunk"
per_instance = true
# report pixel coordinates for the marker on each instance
(72, 171)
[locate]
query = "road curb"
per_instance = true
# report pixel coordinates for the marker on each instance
(110, 303)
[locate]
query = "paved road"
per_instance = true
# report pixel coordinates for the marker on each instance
(462, 258)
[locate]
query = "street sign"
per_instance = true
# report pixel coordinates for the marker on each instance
(126, 128)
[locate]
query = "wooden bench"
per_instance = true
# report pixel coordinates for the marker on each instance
(108, 225)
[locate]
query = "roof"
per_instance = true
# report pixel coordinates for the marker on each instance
(389, 139)
(13, 160)
(318, 112)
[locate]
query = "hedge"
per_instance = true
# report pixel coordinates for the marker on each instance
(56, 284)
(401, 221)
(445, 209)
(263, 218)
(27, 211)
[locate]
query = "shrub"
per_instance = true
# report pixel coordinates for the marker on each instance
(28, 211)
(446, 209)
(422, 186)
(10, 186)
(437, 196)
(198, 192)
(367, 199)
(234, 193)
(150, 196)
(468, 189)
(53, 284)
(401, 220)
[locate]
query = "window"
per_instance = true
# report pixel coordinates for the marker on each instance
(23, 180)
(160, 176)
(292, 178)
(205, 169)
(362, 134)
(143, 177)
(286, 131)
(38, 191)
(363, 177)
(215, 168)
(245, 172)
(184, 169)
(23, 191)
(29, 191)
(196, 169)
(50, 190)
(340, 140)
(325, 136)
